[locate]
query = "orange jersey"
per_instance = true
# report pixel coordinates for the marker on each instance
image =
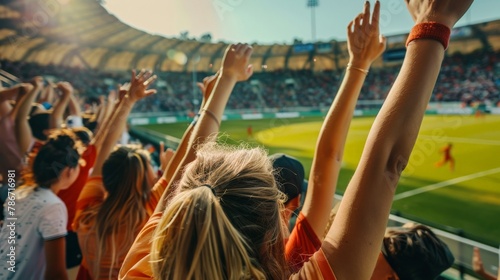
(84, 226)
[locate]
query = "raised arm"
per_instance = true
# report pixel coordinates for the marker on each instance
(74, 106)
(56, 118)
(364, 45)
(235, 68)
(47, 94)
(353, 243)
(206, 88)
(7, 94)
(20, 114)
(138, 90)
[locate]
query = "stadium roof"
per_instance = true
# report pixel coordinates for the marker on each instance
(82, 33)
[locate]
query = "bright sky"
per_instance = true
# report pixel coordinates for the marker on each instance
(269, 21)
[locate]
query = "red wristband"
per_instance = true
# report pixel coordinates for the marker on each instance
(430, 30)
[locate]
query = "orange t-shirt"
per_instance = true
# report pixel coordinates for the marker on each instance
(136, 265)
(70, 196)
(84, 225)
(301, 244)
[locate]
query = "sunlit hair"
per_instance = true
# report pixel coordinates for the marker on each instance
(123, 212)
(224, 223)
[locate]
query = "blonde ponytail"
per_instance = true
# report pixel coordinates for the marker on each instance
(195, 240)
(225, 222)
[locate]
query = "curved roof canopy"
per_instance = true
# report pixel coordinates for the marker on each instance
(82, 33)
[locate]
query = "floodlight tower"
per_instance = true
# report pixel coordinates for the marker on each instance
(313, 4)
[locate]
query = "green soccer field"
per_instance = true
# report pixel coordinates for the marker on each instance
(467, 198)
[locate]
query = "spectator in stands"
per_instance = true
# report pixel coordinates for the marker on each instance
(464, 77)
(477, 266)
(41, 216)
(204, 128)
(289, 175)
(412, 252)
(224, 221)
(365, 46)
(120, 181)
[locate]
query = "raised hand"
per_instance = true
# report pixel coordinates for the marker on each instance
(235, 62)
(208, 85)
(139, 85)
(364, 42)
(446, 12)
(65, 87)
(24, 88)
(112, 97)
(165, 156)
(102, 100)
(123, 90)
(37, 82)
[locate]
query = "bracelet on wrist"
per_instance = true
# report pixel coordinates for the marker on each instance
(349, 66)
(430, 30)
(212, 115)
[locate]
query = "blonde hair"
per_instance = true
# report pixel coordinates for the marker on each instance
(225, 222)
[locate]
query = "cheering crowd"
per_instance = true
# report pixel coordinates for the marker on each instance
(463, 78)
(211, 211)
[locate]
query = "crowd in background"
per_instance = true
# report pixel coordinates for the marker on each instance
(467, 78)
(79, 202)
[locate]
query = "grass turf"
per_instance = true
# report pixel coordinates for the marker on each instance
(466, 199)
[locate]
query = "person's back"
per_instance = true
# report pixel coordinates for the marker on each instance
(35, 225)
(40, 216)
(119, 196)
(107, 226)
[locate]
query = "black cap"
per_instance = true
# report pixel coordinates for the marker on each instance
(289, 174)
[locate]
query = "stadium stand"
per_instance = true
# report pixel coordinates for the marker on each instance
(81, 42)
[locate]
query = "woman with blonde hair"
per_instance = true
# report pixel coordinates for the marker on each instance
(117, 198)
(245, 237)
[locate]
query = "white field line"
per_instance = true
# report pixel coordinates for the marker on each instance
(441, 139)
(445, 183)
(461, 140)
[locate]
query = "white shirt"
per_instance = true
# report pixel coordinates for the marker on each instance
(41, 216)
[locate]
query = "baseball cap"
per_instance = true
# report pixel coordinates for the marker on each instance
(289, 174)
